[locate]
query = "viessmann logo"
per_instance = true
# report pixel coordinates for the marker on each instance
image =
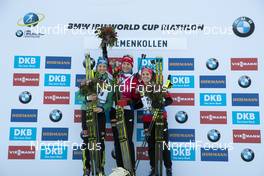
(183, 99)
(109, 134)
(213, 117)
(26, 79)
(21, 152)
(24, 115)
(244, 64)
(142, 153)
(56, 98)
(77, 116)
(246, 136)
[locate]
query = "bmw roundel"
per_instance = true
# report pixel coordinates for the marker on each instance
(113, 154)
(83, 136)
(92, 63)
(19, 33)
(247, 155)
(213, 135)
(25, 97)
(244, 81)
(181, 117)
(243, 27)
(55, 115)
(212, 64)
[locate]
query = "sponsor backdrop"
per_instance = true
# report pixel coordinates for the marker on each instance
(212, 50)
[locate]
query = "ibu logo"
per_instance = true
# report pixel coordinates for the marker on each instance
(22, 134)
(182, 81)
(212, 99)
(27, 62)
(183, 154)
(246, 117)
(53, 153)
(63, 80)
(140, 135)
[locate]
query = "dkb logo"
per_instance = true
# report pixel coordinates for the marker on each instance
(213, 99)
(57, 80)
(147, 62)
(20, 133)
(245, 117)
(53, 153)
(182, 81)
(27, 62)
(183, 154)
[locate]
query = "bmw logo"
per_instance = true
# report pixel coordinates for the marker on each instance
(25, 97)
(212, 64)
(243, 27)
(244, 81)
(113, 154)
(83, 136)
(84, 63)
(213, 135)
(92, 63)
(19, 33)
(55, 115)
(181, 117)
(247, 155)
